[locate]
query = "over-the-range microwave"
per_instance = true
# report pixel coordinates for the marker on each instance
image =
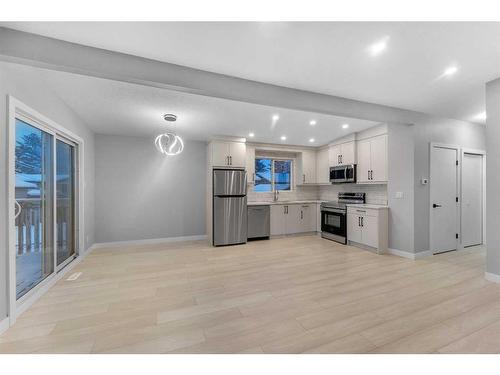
(343, 174)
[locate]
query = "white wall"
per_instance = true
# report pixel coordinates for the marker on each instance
(493, 177)
(23, 83)
(142, 194)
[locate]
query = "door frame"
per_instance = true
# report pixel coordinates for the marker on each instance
(16, 108)
(432, 172)
(482, 153)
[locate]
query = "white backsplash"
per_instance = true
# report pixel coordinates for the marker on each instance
(301, 193)
(375, 194)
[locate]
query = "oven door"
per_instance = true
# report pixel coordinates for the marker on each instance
(334, 222)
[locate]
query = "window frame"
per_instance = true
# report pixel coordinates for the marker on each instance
(273, 159)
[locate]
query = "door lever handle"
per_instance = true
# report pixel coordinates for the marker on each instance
(434, 205)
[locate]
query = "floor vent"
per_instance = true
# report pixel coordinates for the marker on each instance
(74, 276)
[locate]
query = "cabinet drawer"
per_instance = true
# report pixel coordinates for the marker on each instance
(363, 211)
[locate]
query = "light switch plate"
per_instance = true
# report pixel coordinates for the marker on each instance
(399, 195)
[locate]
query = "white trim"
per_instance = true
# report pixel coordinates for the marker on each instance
(16, 108)
(493, 277)
(409, 255)
(4, 325)
(151, 241)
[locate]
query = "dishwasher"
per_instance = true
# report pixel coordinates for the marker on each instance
(259, 222)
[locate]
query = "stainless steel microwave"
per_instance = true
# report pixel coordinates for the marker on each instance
(343, 174)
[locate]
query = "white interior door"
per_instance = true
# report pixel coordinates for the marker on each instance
(444, 193)
(472, 200)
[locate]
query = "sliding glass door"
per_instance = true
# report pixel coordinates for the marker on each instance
(34, 206)
(65, 202)
(45, 197)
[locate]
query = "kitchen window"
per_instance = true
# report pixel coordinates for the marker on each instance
(273, 174)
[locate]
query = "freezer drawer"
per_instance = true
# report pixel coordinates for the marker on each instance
(230, 182)
(230, 220)
(259, 221)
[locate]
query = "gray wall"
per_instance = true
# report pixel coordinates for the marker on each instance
(432, 129)
(141, 194)
(400, 152)
(23, 83)
(493, 177)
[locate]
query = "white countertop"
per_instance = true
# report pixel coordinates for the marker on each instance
(283, 202)
(368, 206)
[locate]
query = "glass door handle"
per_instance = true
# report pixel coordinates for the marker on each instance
(18, 206)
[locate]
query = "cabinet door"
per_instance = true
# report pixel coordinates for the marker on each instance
(318, 217)
(293, 219)
(277, 220)
(334, 155)
(370, 231)
(308, 217)
(250, 164)
(378, 151)
(237, 151)
(308, 168)
(348, 153)
(322, 167)
(353, 228)
(364, 162)
(220, 153)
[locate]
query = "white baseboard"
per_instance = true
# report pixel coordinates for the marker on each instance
(151, 241)
(408, 255)
(4, 325)
(492, 277)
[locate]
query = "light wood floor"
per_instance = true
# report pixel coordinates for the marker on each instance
(290, 295)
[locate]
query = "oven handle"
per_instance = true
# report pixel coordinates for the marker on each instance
(333, 210)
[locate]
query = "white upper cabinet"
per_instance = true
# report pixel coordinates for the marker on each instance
(342, 154)
(378, 148)
(306, 168)
(372, 160)
(250, 164)
(323, 166)
(228, 154)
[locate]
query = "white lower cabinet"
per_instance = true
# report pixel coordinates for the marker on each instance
(292, 218)
(368, 226)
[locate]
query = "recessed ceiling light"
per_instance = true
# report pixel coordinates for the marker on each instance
(251, 135)
(379, 46)
(276, 117)
(345, 126)
(283, 138)
(450, 71)
(312, 122)
(311, 140)
(170, 117)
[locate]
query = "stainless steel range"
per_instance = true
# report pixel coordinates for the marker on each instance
(334, 216)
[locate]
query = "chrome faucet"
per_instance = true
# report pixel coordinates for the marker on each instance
(275, 195)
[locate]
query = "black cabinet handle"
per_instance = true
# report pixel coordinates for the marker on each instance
(434, 205)
(362, 221)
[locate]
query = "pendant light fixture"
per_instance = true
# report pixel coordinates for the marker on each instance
(169, 143)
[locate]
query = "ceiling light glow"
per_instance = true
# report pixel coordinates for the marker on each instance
(276, 117)
(379, 46)
(311, 140)
(450, 71)
(480, 116)
(251, 135)
(345, 126)
(312, 122)
(283, 138)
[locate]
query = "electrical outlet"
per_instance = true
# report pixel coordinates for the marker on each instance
(424, 181)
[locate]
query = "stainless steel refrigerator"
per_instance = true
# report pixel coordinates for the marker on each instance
(229, 207)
